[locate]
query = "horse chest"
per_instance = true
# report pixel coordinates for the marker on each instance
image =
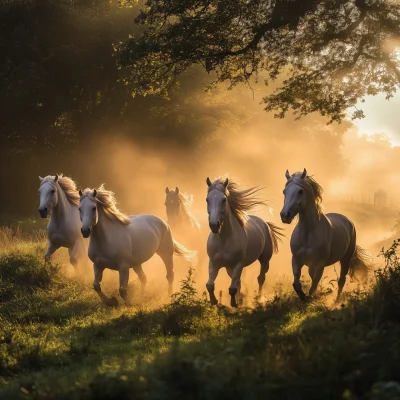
(225, 254)
(61, 239)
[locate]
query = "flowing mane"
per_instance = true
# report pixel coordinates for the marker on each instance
(67, 185)
(240, 201)
(186, 202)
(309, 184)
(106, 199)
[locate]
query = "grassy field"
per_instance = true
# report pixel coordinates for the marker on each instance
(58, 342)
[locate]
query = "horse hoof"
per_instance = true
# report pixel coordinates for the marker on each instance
(113, 302)
(234, 304)
(213, 302)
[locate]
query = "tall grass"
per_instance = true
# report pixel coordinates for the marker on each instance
(57, 341)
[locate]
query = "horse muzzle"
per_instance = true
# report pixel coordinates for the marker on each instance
(43, 212)
(85, 232)
(286, 217)
(215, 227)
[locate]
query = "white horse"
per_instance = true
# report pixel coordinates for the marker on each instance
(183, 223)
(119, 242)
(319, 239)
(59, 197)
(237, 239)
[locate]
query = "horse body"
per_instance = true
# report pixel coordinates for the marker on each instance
(119, 242)
(328, 239)
(236, 239)
(319, 239)
(63, 229)
(113, 244)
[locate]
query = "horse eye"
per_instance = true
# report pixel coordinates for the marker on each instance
(94, 208)
(224, 200)
(53, 191)
(79, 210)
(301, 191)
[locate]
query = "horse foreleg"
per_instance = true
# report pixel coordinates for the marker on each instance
(317, 275)
(142, 277)
(296, 268)
(210, 285)
(78, 256)
(75, 255)
(51, 249)
(123, 282)
(98, 276)
(235, 284)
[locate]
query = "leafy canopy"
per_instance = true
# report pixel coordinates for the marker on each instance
(327, 54)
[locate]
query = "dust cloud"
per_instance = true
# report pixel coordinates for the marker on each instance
(349, 167)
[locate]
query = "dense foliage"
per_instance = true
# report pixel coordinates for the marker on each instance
(330, 53)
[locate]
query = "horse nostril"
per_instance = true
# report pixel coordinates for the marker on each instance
(288, 214)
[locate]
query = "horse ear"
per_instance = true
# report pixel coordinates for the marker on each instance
(166, 190)
(177, 190)
(226, 182)
(94, 193)
(56, 178)
(80, 193)
(304, 174)
(41, 179)
(208, 182)
(287, 174)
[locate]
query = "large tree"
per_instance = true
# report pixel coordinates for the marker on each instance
(327, 54)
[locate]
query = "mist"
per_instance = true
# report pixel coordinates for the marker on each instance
(349, 166)
(82, 121)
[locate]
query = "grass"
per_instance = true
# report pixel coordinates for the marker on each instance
(58, 342)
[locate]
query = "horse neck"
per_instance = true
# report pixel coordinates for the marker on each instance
(230, 224)
(63, 207)
(103, 226)
(310, 216)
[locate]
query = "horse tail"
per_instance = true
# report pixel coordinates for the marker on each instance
(360, 265)
(276, 235)
(182, 251)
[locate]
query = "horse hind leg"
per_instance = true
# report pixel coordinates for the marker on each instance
(264, 267)
(344, 270)
(169, 266)
(142, 278)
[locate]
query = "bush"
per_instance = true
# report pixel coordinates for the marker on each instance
(187, 312)
(387, 288)
(19, 271)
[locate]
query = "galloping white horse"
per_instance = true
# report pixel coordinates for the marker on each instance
(59, 197)
(237, 239)
(119, 242)
(319, 239)
(183, 223)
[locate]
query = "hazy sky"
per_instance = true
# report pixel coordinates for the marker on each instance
(382, 116)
